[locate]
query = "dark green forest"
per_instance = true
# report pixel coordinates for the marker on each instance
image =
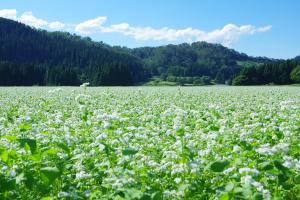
(279, 73)
(37, 57)
(30, 56)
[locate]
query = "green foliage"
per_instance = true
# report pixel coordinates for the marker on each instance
(199, 59)
(51, 173)
(25, 143)
(35, 57)
(219, 166)
(149, 143)
(129, 151)
(240, 80)
(295, 74)
(282, 72)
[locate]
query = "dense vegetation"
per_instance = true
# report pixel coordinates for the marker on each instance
(284, 72)
(61, 59)
(297, 59)
(155, 143)
(37, 57)
(200, 59)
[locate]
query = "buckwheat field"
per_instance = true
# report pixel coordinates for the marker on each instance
(150, 143)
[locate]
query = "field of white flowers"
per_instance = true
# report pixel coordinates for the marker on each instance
(150, 143)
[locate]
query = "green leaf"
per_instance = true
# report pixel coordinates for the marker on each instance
(64, 147)
(287, 186)
(133, 194)
(46, 198)
(258, 196)
(245, 145)
(51, 152)
(30, 178)
(4, 156)
(51, 173)
(11, 138)
(180, 132)
(108, 149)
(282, 178)
(30, 142)
(279, 166)
(297, 179)
(129, 151)
(219, 166)
(24, 127)
(224, 196)
(266, 166)
(6, 184)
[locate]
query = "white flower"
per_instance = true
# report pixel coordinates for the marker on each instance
(56, 90)
(284, 147)
(82, 175)
(63, 194)
(177, 169)
(106, 124)
(177, 180)
(265, 150)
(247, 180)
(84, 85)
(227, 171)
(248, 171)
(82, 98)
(266, 194)
(236, 148)
(101, 147)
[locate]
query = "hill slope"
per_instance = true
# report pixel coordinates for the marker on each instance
(196, 59)
(51, 53)
(29, 56)
(297, 58)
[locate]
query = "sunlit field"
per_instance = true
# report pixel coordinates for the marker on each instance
(150, 143)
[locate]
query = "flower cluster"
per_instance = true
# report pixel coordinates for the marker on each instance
(150, 143)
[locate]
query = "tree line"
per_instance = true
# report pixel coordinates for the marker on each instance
(279, 73)
(36, 57)
(31, 56)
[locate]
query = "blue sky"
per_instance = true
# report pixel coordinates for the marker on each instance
(256, 27)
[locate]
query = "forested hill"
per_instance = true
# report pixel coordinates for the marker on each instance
(197, 59)
(29, 56)
(37, 57)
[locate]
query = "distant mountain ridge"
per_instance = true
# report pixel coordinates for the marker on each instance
(297, 58)
(199, 58)
(60, 58)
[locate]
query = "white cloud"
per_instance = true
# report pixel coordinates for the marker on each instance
(90, 26)
(9, 13)
(264, 29)
(226, 35)
(57, 25)
(29, 19)
(229, 34)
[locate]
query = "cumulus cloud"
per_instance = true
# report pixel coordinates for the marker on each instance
(57, 25)
(226, 35)
(29, 19)
(9, 13)
(231, 33)
(91, 26)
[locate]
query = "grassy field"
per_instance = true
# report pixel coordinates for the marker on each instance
(150, 143)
